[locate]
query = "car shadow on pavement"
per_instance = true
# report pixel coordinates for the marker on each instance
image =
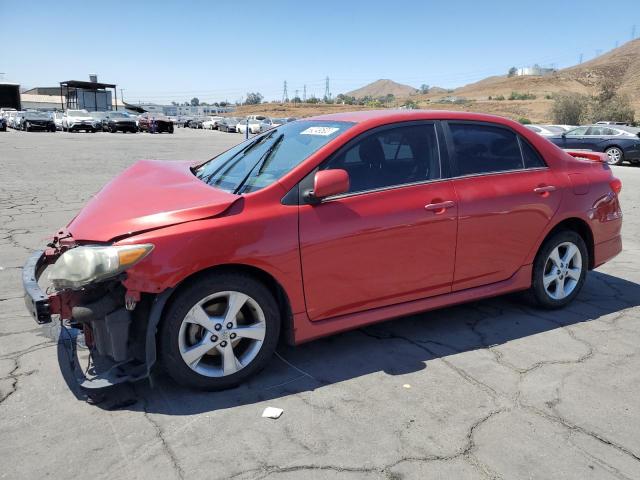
(395, 347)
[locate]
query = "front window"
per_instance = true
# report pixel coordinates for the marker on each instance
(260, 161)
(36, 116)
(118, 115)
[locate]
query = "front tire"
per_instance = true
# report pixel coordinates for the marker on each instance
(559, 270)
(615, 156)
(219, 331)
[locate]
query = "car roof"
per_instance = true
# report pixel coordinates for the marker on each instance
(392, 116)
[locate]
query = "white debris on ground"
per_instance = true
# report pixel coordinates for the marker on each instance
(272, 412)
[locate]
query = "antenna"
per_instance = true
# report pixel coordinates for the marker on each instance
(327, 93)
(304, 93)
(285, 95)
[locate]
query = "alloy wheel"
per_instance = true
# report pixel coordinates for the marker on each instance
(222, 333)
(614, 156)
(562, 270)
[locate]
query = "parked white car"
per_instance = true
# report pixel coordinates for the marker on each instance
(75, 120)
(254, 126)
(546, 130)
(211, 123)
(57, 119)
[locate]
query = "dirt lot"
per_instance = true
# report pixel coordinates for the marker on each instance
(493, 389)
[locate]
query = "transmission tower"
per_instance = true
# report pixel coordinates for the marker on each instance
(633, 32)
(327, 93)
(304, 93)
(580, 61)
(285, 95)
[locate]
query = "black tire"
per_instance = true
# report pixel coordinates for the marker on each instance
(113, 129)
(168, 342)
(614, 152)
(25, 127)
(170, 129)
(538, 291)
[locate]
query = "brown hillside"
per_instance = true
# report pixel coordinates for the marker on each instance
(382, 88)
(621, 64)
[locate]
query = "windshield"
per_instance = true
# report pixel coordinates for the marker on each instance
(118, 115)
(260, 161)
(78, 113)
(36, 115)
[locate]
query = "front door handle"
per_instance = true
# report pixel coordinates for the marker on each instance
(440, 207)
(545, 189)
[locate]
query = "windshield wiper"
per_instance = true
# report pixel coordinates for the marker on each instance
(240, 153)
(261, 163)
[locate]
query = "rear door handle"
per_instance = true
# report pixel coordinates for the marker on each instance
(440, 207)
(545, 189)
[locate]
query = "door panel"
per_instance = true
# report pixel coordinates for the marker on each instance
(500, 218)
(378, 248)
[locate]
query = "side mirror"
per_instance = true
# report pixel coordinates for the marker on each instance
(327, 183)
(564, 134)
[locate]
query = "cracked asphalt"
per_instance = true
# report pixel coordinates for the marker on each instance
(492, 389)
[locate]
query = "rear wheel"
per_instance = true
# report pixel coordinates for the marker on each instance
(559, 270)
(615, 156)
(219, 331)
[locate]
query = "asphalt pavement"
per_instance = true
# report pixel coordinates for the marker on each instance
(492, 389)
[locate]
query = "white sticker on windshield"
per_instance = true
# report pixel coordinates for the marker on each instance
(323, 131)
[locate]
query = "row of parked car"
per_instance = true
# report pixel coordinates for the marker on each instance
(82, 120)
(620, 142)
(254, 123)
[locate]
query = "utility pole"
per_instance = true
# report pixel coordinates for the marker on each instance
(327, 93)
(285, 95)
(304, 93)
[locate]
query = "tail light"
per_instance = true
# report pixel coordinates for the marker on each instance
(616, 185)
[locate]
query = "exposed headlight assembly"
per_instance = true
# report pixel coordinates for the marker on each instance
(83, 265)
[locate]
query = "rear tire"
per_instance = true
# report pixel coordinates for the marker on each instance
(225, 355)
(559, 270)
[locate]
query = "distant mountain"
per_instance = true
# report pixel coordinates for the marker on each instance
(382, 88)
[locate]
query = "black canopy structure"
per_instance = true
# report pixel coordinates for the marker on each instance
(72, 88)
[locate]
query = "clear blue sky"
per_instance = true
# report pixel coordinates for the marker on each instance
(163, 51)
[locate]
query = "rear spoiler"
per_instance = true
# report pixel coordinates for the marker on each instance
(593, 156)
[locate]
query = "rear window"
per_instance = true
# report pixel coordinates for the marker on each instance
(484, 149)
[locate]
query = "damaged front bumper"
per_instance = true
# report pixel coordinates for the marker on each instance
(119, 350)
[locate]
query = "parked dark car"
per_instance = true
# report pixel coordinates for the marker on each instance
(194, 123)
(154, 123)
(3, 124)
(618, 144)
(228, 124)
(119, 122)
(37, 121)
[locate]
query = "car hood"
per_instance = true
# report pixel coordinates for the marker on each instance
(80, 119)
(148, 195)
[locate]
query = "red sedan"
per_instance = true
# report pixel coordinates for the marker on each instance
(316, 227)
